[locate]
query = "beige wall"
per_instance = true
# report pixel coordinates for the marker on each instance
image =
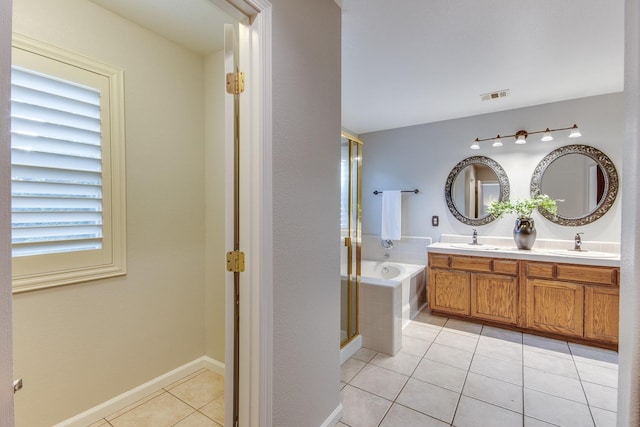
(215, 184)
(79, 345)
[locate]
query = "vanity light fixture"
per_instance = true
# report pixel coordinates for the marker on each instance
(521, 136)
(547, 136)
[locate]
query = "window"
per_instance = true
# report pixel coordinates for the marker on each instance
(67, 167)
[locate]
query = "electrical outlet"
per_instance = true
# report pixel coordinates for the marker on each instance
(435, 221)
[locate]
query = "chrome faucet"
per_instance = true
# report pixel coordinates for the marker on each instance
(474, 237)
(578, 242)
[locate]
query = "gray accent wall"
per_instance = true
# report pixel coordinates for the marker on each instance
(422, 157)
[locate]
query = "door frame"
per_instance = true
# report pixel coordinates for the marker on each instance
(256, 221)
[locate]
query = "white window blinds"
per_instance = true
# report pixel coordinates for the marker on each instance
(56, 165)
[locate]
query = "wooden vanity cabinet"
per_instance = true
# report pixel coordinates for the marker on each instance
(479, 287)
(555, 307)
(579, 302)
(573, 300)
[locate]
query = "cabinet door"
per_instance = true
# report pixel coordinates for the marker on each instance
(601, 313)
(449, 291)
(555, 306)
(494, 297)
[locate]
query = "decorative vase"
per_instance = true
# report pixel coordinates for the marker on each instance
(524, 233)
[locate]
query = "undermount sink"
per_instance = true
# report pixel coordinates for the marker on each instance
(472, 247)
(583, 254)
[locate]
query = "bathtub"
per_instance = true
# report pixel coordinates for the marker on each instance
(391, 294)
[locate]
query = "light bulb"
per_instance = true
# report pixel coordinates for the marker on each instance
(575, 132)
(497, 142)
(547, 136)
(520, 140)
(475, 145)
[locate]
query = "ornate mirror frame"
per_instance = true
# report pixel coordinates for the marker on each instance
(611, 183)
(475, 160)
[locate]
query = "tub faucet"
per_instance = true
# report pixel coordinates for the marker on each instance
(474, 237)
(578, 242)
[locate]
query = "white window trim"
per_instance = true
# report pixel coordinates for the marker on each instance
(114, 262)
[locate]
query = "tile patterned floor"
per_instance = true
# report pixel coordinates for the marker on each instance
(194, 401)
(455, 373)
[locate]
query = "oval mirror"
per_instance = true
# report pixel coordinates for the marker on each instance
(472, 185)
(581, 178)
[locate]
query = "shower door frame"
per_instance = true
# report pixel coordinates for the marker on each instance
(353, 239)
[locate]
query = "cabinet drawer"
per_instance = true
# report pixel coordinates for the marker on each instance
(471, 263)
(543, 270)
(438, 261)
(505, 266)
(582, 273)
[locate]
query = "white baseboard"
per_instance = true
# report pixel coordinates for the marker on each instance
(127, 398)
(334, 418)
(350, 349)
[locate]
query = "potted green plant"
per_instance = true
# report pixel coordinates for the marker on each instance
(524, 232)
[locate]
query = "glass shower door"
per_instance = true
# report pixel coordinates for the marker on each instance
(350, 236)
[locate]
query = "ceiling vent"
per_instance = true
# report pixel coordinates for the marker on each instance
(494, 95)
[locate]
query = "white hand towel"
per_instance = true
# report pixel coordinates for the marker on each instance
(391, 215)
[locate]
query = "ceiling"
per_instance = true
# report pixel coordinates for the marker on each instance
(196, 24)
(410, 62)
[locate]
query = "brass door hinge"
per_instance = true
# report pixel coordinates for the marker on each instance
(235, 83)
(347, 241)
(17, 385)
(235, 261)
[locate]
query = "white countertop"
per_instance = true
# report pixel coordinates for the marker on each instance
(548, 255)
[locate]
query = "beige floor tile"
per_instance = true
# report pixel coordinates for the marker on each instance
(545, 345)
(449, 356)
(134, 405)
(100, 423)
(361, 408)
(163, 410)
(200, 389)
(594, 356)
(462, 327)
(499, 369)
(402, 363)
(455, 340)
(379, 381)
(557, 385)
(215, 410)
(197, 420)
(398, 416)
(414, 346)
(502, 334)
(364, 354)
(473, 413)
(532, 422)
(493, 391)
(598, 374)
(429, 399)
(600, 396)
(187, 378)
(502, 350)
(555, 365)
(604, 418)
(441, 375)
(350, 368)
(555, 410)
(429, 319)
(420, 331)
